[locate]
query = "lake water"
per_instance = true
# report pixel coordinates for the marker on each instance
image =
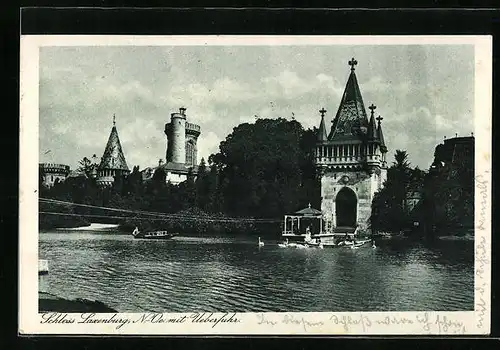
(233, 274)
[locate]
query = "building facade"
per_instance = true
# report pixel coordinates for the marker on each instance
(351, 161)
(113, 161)
(51, 173)
(182, 149)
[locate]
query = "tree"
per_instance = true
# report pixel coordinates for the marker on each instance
(88, 166)
(263, 167)
(202, 186)
(389, 211)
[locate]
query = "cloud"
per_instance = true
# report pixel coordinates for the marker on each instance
(207, 145)
(81, 89)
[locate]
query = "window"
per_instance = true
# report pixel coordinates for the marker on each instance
(190, 153)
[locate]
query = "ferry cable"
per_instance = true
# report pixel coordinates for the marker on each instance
(138, 218)
(163, 215)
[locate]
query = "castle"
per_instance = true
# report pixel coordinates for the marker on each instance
(457, 152)
(351, 161)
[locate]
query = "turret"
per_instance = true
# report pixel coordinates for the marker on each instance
(113, 161)
(176, 136)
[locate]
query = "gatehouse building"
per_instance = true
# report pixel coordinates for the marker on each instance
(351, 161)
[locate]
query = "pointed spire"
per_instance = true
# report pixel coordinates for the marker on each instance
(113, 157)
(351, 116)
(372, 129)
(381, 135)
(322, 135)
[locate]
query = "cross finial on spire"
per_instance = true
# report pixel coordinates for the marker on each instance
(372, 108)
(114, 120)
(353, 63)
(322, 111)
(379, 119)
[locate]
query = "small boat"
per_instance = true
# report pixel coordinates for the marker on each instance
(152, 234)
(260, 243)
(357, 244)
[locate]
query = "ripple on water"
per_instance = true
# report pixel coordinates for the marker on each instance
(221, 274)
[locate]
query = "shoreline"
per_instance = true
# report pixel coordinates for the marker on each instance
(51, 303)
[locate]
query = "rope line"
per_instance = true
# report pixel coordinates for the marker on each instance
(155, 214)
(157, 218)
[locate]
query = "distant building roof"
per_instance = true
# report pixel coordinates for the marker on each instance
(179, 168)
(76, 173)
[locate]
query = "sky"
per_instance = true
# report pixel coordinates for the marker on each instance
(423, 93)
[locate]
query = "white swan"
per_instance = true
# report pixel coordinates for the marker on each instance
(283, 245)
(260, 243)
(374, 246)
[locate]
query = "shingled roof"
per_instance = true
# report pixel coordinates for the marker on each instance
(113, 157)
(351, 115)
(308, 211)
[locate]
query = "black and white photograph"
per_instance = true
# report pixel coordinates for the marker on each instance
(257, 182)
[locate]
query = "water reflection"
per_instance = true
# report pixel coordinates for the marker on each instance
(234, 274)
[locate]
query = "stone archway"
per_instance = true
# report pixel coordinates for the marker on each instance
(346, 205)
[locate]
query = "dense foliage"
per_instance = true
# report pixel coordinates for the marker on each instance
(445, 199)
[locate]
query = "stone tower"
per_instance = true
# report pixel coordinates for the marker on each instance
(113, 161)
(182, 149)
(176, 135)
(351, 161)
(53, 173)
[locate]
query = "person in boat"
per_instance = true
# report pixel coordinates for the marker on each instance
(308, 234)
(136, 231)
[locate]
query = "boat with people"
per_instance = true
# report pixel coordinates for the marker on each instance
(326, 236)
(152, 234)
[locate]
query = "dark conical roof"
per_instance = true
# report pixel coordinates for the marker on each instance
(322, 135)
(351, 115)
(113, 157)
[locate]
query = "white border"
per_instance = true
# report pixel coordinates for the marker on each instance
(324, 323)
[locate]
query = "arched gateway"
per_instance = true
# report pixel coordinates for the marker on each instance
(346, 207)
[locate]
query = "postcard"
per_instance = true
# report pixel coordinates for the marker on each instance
(255, 185)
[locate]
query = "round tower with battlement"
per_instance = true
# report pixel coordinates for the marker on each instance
(182, 140)
(52, 173)
(176, 137)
